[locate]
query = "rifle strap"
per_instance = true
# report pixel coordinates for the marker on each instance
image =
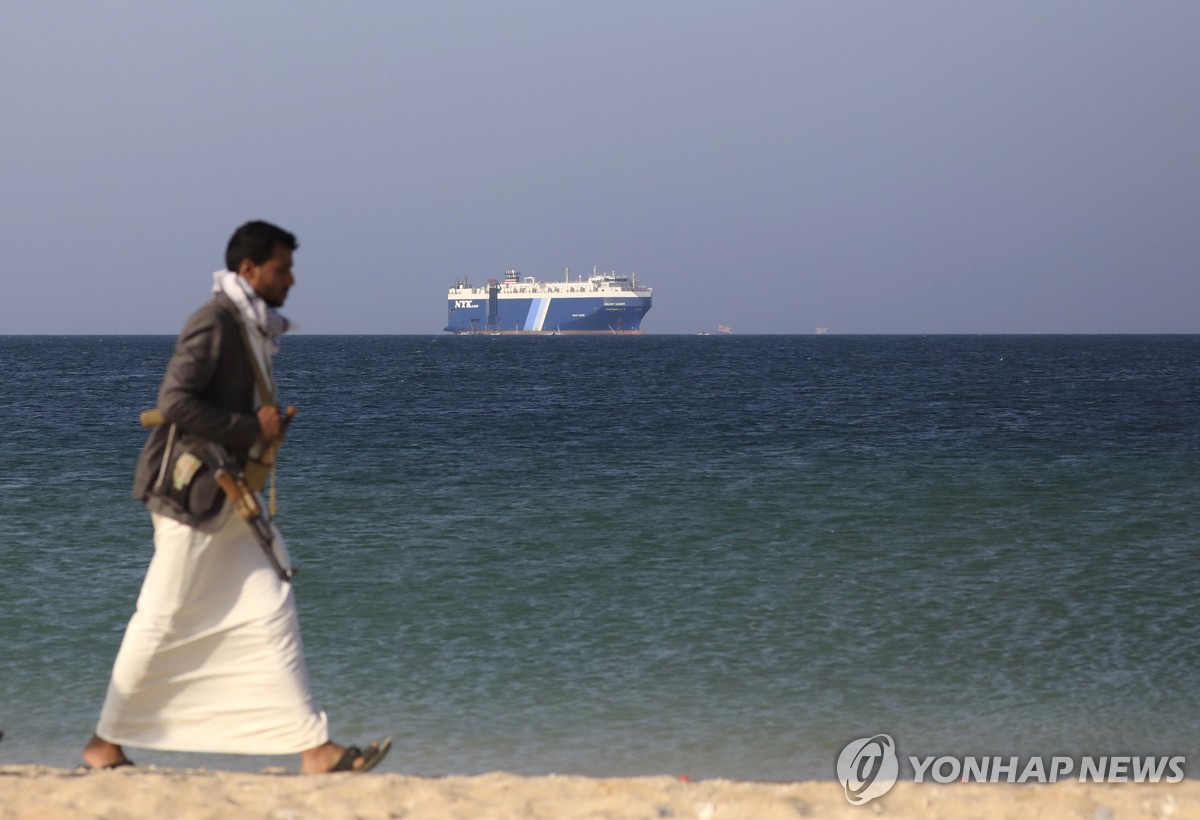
(266, 390)
(266, 394)
(162, 468)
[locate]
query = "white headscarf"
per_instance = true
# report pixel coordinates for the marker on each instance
(256, 313)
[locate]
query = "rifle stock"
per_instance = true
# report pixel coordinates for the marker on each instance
(248, 509)
(152, 418)
(243, 500)
(233, 484)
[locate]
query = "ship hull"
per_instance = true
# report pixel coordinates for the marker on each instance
(549, 314)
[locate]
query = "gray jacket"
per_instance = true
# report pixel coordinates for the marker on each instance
(207, 392)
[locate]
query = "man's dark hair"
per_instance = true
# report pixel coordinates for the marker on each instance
(256, 241)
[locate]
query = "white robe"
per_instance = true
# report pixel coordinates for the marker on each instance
(212, 659)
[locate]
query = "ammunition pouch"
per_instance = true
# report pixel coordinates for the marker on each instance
(186, 481)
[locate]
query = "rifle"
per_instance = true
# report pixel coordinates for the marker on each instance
(233, 482)
(155, 418)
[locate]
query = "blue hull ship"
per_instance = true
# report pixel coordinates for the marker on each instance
(602, 303)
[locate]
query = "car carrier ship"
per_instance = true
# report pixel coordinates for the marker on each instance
(605, 303)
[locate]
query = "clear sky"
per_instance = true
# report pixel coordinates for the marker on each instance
(1017, 166)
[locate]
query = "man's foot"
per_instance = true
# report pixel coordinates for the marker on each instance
(100, 754)
(329, 757)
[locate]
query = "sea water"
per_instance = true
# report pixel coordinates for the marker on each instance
(720, 556)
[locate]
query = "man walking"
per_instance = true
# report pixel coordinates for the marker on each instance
(212, 659)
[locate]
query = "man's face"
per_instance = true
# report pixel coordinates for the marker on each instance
(273, 279)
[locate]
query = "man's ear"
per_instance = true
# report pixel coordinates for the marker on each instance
(246, 268)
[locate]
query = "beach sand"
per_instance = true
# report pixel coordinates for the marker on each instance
(41, 792)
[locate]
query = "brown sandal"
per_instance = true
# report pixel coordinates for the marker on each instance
(116, 764)
(372, 757)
